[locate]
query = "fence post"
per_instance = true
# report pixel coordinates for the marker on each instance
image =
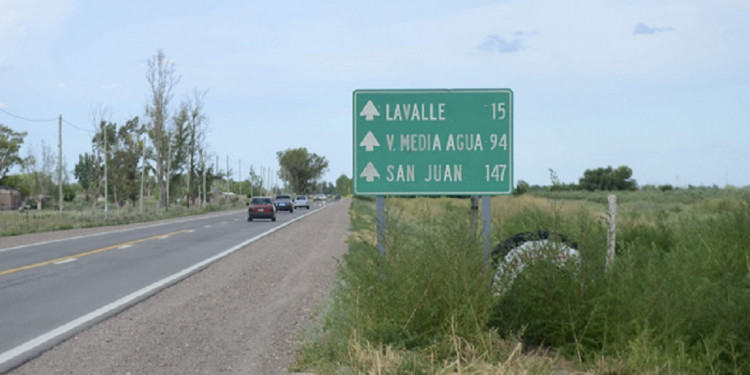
(380, 216)
(611, 230)
(474, 214)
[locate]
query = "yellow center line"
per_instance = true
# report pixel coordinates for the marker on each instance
(103, 249)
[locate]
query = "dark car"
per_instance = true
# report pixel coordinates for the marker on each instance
(284, 203)
(261, 208)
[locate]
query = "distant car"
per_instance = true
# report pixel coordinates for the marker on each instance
(320, 197)
(284, 203)
(301, 201)
(261, 208)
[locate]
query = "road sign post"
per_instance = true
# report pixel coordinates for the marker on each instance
(433, 142)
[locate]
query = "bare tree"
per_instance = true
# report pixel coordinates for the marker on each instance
(161, 77)
(98, 115)
(197, 133)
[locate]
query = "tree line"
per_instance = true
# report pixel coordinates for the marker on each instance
(598, 179)
(163, 153)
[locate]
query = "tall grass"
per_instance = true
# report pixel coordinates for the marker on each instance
(677, 299)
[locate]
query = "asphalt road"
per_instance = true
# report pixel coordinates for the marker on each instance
(52, 290)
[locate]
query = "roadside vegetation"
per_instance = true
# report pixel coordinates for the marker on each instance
(82, 215)
(675, 301)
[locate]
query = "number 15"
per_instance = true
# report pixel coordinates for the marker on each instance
(498, 111)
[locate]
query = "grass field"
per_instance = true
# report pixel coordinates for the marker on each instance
(675, 301)
(83, 215)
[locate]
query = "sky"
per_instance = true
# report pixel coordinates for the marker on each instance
(661, 86)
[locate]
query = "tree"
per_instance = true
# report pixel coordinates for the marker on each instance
(255, 182)
(197, 135)
(608, 179)
(300, 168)
(85, 172)
(178, 148)
(10, 145)
(522, 187)
(160, 74)
(343, 185)
(39, 182)
(124, 170)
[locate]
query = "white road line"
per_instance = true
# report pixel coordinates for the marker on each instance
(130, 298)
(125, 246)
(67, 261)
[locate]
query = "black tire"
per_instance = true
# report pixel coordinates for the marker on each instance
(249, 218)
(291, 211)
(273, 218)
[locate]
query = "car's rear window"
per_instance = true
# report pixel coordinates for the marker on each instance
(261, 201)
(283, 197)
(301, 197)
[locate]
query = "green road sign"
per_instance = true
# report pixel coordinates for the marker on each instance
(433, 142)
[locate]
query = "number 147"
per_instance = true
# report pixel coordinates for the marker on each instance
(495, 172)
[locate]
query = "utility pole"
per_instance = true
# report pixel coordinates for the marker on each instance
(239, 176)
(143, 174)
(192, 148)
(203, 160)
(106, 181)
(190, 172)
(59, 161)
(228, 173)
(169, 171)
(262, 178)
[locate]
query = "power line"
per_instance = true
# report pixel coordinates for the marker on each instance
(77, 127)
(45, 120)
(26, 118)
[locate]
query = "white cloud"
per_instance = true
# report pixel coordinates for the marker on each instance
(643, 29)
(111, 86)
(499, 44)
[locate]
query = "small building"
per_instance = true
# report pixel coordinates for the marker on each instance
(10, 198)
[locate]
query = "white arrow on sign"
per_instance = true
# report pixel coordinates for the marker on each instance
(369, 111)
(369, 173)
(369, 142)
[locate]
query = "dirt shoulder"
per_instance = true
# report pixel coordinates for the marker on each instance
(240, 315)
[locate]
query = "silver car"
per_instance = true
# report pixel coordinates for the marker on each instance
(301, 201)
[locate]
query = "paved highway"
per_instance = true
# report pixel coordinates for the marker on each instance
(51, 290)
